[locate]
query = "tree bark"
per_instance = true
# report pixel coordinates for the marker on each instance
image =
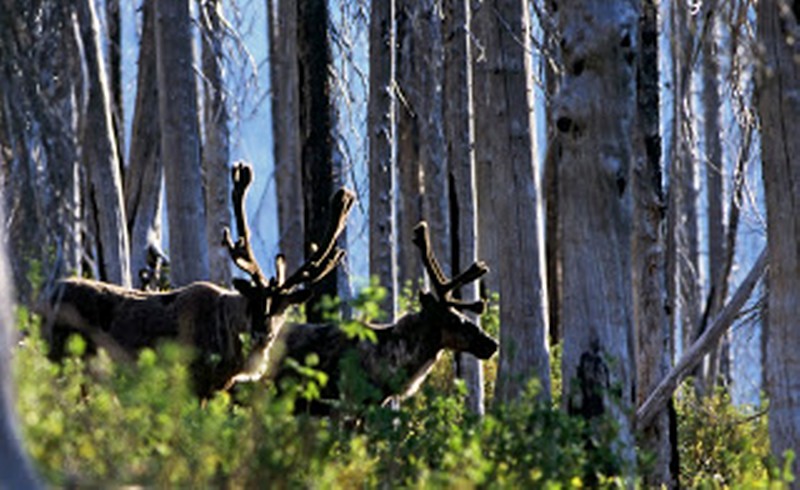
(409, 194)
(503, 98)
(459, 136)
(779, 109)
(316, 145)
(286, 128)
(143, 180)
(594, 114)
(16, 470)
(100, 157)
(649, 279)
(180, 143)
(381, 130)
(216, 152)
(429, 107)
(114, 30)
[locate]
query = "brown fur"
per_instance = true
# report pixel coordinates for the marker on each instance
(396, 365)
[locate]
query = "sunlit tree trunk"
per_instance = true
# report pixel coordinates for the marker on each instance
(381, 130)
(144, 176)
(779, 108)
(594, 113)
(505, 128)
(282, 19)
(101, 157)
(216, 152)
(180, 143)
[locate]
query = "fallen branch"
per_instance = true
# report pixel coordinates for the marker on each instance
(658, 398)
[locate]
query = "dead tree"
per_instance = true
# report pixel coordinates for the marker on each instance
(217, 323)
(396, 364)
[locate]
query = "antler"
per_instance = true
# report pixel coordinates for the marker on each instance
(327, 257)
(441, 285)
(241, 252)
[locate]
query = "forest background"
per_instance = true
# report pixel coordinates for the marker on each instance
(629, 135)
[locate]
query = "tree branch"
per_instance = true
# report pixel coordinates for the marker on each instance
(662, 392)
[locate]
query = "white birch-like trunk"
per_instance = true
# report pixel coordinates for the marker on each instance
(216, 152)
(100, 156)
(594, 114)
(180, 143)
(505, 128)
(381, 130)
(779, 109)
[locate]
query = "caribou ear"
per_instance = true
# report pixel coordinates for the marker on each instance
(244, 286)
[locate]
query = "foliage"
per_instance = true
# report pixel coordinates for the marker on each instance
(93, 423)
(722, 445)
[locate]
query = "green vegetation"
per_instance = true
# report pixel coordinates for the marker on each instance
(93, 423)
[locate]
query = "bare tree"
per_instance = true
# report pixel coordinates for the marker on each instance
(459, 136)
(282, 20)
(409, 197)
(215, 150)
(180, 142)
(779, 109)
(510, 203)
(594, 113)
(143, 179)
(114, 52)
(381, 129)
(648, 259)
(101, 157)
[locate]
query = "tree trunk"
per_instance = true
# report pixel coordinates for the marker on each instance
(428, 104)
(649, 281)
(316, 146)
(100, 156)
(595, 109)
(143, 180)
(717, 276)
(381, 130)
(114, 30)
(779, 108)
(216, 178)
(459, 137)
(504, 120)
(286, 128)
(180, 143)
(409, 194)
(16, 470)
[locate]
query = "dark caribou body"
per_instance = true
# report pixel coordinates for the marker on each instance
(405, 351)
(214, 321)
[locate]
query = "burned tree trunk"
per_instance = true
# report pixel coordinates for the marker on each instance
(316, 145)
(381, 130)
